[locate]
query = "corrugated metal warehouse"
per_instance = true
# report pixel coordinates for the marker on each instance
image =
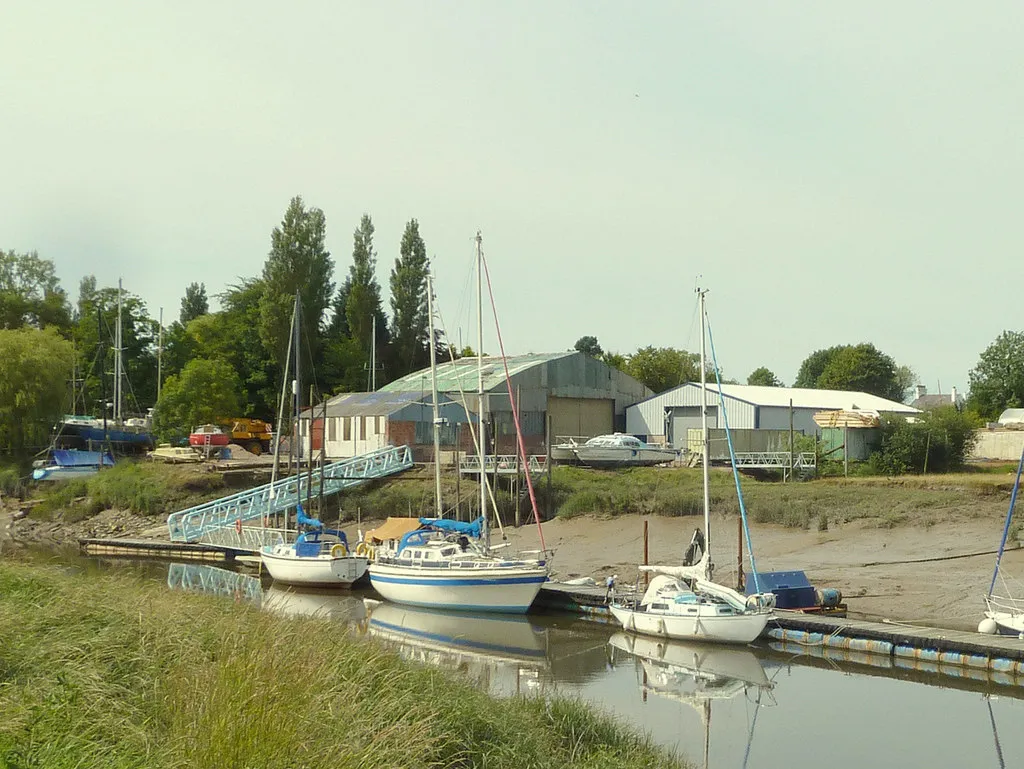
(358, 423)
(582, 395)
(670, 414)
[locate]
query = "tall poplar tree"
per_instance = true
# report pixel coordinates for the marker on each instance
(409, 328)
(363, 302)
(298, 261)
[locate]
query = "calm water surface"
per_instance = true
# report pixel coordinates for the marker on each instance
(757, 707)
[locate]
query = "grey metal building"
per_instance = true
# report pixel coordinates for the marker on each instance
(668, 415)
(581, 395)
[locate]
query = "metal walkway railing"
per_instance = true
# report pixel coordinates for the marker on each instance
(503, 464)
(211, 520)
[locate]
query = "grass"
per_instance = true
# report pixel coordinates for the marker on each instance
(143, 488)
(108, 671)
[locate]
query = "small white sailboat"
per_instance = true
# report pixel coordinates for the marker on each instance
(1004, 615)
(319, 557)
(683, 602)
(449, 564)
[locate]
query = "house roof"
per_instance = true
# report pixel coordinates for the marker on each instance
(802, 398)
(373, 404)
(934, 401)
(462, 374)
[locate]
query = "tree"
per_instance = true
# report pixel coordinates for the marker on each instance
(861, 368)
(616, 360)
(997, 381)
(409, 327)
(938, 441)
(363, 304)
(338, 325)
(94, 335)
(298, 262)
(588, 345)
(663, 368)
(261, 376)
(30, 293)
(203, 392)
(764, 377)
(813, 366)
(194, 303)
(906, 378)
(35, 366)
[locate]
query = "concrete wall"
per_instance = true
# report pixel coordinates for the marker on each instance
(998, 444)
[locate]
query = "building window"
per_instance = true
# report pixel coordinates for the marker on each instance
(332, 429)
(362, 428)
(346, 428)
(380, 425)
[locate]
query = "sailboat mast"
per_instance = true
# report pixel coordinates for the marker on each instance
(704, 424)
(480, 374)
(439, 510)
(297, 402)
(373, 355)
(117, 359)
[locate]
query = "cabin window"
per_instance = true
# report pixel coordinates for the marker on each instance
(663, 606)
(346, 428)
(448, 551)
(332, 429)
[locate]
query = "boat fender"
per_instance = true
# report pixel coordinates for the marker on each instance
(365, 550)
(988, 626)
(238, 526)
(828, 596)
(339, 550)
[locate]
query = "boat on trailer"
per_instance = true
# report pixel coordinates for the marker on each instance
(620, 450)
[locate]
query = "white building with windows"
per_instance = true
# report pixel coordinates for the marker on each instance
(668, 415)
(358, 423)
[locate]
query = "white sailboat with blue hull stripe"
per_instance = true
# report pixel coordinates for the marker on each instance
(443, 565)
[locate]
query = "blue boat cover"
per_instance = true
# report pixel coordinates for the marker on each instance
(303, 520)
(471, 529)
(75, 458)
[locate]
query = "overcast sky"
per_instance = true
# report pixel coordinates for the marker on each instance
(836, 173)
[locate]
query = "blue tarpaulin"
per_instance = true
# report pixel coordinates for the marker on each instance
(470, 529)
(75, 458)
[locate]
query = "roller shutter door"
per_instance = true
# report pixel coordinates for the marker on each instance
(581, 416)
(684, 418)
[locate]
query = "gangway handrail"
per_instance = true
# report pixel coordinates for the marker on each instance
(233, 510)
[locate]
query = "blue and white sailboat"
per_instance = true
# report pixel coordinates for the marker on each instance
(449, 564)
(1004, 615)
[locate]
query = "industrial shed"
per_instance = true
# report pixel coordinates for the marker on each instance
(358, 423)
(581, 396)
(670, 414)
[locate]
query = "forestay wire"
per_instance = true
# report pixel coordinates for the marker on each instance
(1006, 526)
(732, 456)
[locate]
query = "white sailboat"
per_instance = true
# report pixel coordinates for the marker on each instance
(448, 564)
(319, 557)
(683, 602)
(1004, 615)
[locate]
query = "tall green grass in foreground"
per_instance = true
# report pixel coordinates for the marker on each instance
(107, 671)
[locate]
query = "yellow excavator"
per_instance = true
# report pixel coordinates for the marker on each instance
(254, 435)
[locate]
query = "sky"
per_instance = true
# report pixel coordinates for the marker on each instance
(831, 173)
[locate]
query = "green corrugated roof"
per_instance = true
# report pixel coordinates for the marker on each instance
(463, 372)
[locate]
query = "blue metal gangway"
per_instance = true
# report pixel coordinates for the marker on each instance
(201, 522)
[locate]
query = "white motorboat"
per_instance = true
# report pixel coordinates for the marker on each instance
(620, 450)
(683, 602)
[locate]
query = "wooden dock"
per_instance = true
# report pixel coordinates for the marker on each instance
(155, 548)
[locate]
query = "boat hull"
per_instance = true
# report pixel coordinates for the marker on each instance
(321, 570)
(608, 456)
(1007, 623)
(715, 628)
(510, 590)
(697, 659)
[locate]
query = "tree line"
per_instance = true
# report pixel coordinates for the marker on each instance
(57, 356)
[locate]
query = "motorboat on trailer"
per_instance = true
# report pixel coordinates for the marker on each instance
(619, 450)
(447, 564)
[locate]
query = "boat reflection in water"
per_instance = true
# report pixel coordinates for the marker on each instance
(204, 578)
(696, 674)
(503, 653)
(308, 602)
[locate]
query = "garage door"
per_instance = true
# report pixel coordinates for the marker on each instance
(581, 416)
(685, 418)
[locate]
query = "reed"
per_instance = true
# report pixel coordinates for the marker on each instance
(104, 670)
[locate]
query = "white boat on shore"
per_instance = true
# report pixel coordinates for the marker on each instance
(619, 450)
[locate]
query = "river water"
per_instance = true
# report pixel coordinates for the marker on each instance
(747, 707)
